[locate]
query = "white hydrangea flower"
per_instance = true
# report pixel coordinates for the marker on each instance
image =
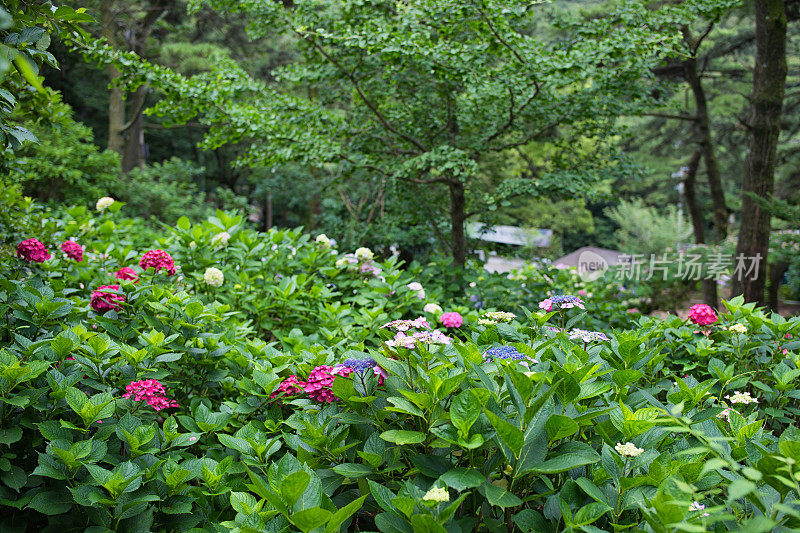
(323, 240)
(104, 203)
(738, 328)
(364, 254)
(437, 494)
(220, 239)
(741, 397)
(628, 449)
(725, 414)
(192, 245)
(214, 276)
(432, 308)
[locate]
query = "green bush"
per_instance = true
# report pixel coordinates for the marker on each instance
(334, 423)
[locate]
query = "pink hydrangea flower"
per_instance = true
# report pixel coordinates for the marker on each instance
(546, 305)
(288, 387)
(126, 273)
(319, 383)
(32, 250)
(73, 250)
(103, 300)
(702, 314)
(151, 391)
(451, 320)
(158, 259)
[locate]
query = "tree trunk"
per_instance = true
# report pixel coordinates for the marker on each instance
(769, 82)
(776, 272)
(116, 102)
(133, 155)
(706, 143)
(709, 285)
(458, 238)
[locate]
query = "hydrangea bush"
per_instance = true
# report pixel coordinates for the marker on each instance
(184, 406)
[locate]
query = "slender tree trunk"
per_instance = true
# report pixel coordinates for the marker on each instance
(776, 272)
(116, 102)
(766, 103)
(133, 155)
(458, 238)
(689, 183)
(707, 144)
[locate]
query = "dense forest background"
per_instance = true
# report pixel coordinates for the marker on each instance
(690, 129)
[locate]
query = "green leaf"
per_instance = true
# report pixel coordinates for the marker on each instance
(293, 486)
(343, 514)
(51, 503)
(509, 434)
(423, 523)
(402, 436)
(560, 426)
(463, 478)
(309, 519)
(498, 496)
(352, 470)
(464, 412)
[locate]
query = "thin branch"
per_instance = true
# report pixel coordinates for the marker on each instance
(690, 118)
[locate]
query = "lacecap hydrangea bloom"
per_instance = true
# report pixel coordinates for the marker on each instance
(506, 352)
(741, 397)
(126, 274)
(214, 277)
(104, 203)
(33, 250)
(702, 314)
(451, 320)
(158, 259)
(364, 254)
(73, 250)
(220, 239)
(405, 325)
(587, 336)
(104, 298)
(561, 301)
(628, 449)
(499, 316)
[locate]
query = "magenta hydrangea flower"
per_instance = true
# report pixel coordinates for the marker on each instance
(104, 299)
(451, 320)
(702, 314)
(126, 274)
(73, 250)
(158, 259)
(319, 383)
(33, 250)
(150, 391)
(288, 387)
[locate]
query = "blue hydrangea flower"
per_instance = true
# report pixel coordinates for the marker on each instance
(587, 336)
(360, 365)
(504, 352)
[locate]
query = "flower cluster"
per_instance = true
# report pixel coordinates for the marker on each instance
(561, 301)
(433, 309)
(628, 449)
(126, 274)
(702, 314)
(506, 352)
(697, 506)
(104, 203)
(361, 261)
(437, 495)
(214, 277)
(405, 325)
(288, 387)
(499, 316)
(738, 328)
(451, 320)
(323, 240)
(319, 383)
(417, 287)
(105, 298)
(158, 259)
(587, 336)
(741, 397)
(364, 254)
(220, 240)
(360, 366)
(32, 250)
(151, 391)
(73, 250)
(403, 340)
